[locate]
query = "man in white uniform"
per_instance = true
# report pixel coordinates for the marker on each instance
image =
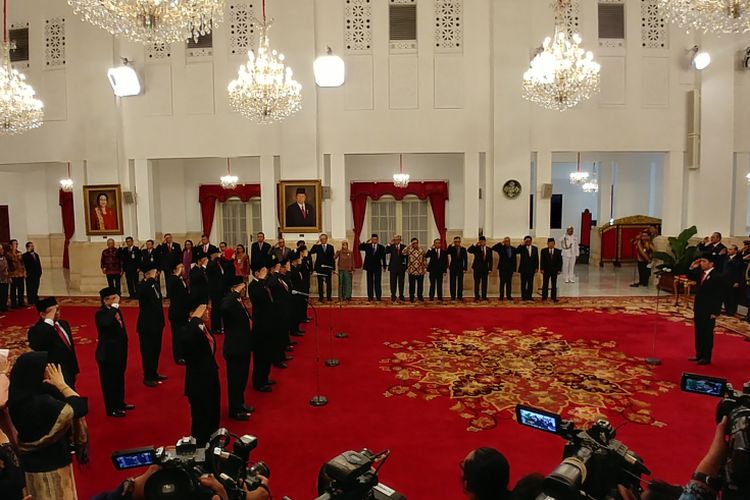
(570, 252)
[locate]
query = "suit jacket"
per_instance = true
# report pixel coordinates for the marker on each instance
(237, 327)
(151, 257)
(199, 285)
(506, 262)
(437, 265)
(459, 259)
(260, 297)
(168, 259)
(295, 217)
(44, 337)
(131, 258)
(179, 298)
(208, 250)
(715, 250)
(709, 294)
(734, 270)
(528, 264)
(324, 258)
(551, 262)
(397, 261)
(482, 260)
(32, 264)
(198, 348)
(150, 308)
(216, 279)
(112, 344)
(374, 257)
(259, 255)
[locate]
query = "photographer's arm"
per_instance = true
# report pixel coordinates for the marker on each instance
(710, 466)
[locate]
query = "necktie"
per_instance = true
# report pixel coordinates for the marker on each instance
(703, 277)
(62, 335)
(209, 338)
(438, 254)
(484, 253)
(374, 248)
(398, 249)
(304, 212)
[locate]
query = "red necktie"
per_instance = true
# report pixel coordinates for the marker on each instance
(703, 277)
(62, 335)
(304, 212)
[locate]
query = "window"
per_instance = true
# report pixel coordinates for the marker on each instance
(611, 24)
(202, 47)
(239, 220)
(402, 22)
(19, 39)
(410, 218)
(556, 211)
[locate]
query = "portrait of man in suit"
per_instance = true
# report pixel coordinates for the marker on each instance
(300, 201)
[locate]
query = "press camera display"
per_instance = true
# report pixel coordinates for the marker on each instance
(699, 384)
(538, 419)
(130, 459)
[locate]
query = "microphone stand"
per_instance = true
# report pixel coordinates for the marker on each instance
(331, 362)
(341, 334)
(653, 360)
(318, 399)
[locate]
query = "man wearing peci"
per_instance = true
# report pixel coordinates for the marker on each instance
(708, 297)
(325, 263)
(482, 266)
(300, 213)
(437, 268)
(458, 263)
(237, 348)
(179, 308)
(53, 335)
(374, 265)
(506, 266)
(150, 326)
(112, 352)
(528, 266)
(396, 267)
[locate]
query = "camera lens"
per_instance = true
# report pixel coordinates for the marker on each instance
(565, 481)
(259, 468)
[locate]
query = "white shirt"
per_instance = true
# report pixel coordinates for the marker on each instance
(570, 246)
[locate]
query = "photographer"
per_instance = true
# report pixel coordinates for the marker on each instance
(485, 473)
(703, 485)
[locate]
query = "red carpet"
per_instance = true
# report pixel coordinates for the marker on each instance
(426, 431)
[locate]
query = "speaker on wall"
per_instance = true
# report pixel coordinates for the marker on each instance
(128, 197)
(326, 192)
(546, 191)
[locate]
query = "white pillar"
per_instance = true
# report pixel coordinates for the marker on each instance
(542, 205)
(78, 174)
(471, 195)
(739, 205)
(672, 219)
(268, 206)
(144, 186)
(339, 196)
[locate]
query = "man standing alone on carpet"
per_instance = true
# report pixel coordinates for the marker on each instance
(528, 266)
(150, 326)
(551, 265)
(374, 265)
(111, 264)
(436, 268)
(570, 252)
(53, 335)
(112, 352)
(130, 255)
(458, 263)
(179, 305)
(482, 266)
(237, 348)
(396, 266)
(707, 307)
(33, 267)
(325, 263)
(506, 266)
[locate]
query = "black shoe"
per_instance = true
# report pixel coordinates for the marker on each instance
(265, 388)
(151, 383)
(271, 382)
(703, 362)
(281, 365)
(128, 407)
(116, 413)
(635, 285)
(239, 416)
(161, 378)
(248, 409)
(180, 361)
(694, 359)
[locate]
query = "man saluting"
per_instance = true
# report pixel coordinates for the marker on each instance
(112, 352)
(54, 335)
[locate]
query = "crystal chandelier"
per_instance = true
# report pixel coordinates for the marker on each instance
(562, 74)
(401, 180)
(591, 187)
(709, 16)
(20, 111)
(229, 181)
(265, 90)
(579, 177)
(152, 21)
(66, 184)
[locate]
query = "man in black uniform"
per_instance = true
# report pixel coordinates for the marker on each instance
(707, 307)
(179, 305)
(528, 266)
(458, 263)
(199, 279)
(482, 266)
(52, 334)
(150, 326)
(263, 326)
(237, 348)
(131, 261)
(734, 278)
(33, 266)
(112, 352)
(437, 268)
(202, 386)
(325, 263)
(216, 290)
(306, 268)
(551, 263)
(506, 266)
(170, 254)
(150, 257)
(281, 295)
(396, 267)
(374, 264)
(298, 301)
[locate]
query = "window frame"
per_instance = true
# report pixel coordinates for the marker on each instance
(431, 230)
(251, 218)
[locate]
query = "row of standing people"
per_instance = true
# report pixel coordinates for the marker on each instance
(19, 272)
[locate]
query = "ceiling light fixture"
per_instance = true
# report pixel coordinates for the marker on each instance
(229, 181)
(66, 184)
(124, 79)
(401, 180)
(579, 177)
(330, 70)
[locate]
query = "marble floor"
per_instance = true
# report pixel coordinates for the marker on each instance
(592, 281)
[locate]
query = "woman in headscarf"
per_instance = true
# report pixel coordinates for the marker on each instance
(44, 410)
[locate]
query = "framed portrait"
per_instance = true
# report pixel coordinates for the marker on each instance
(300, 206)
(102, 205)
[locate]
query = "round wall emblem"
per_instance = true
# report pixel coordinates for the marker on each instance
(511, 189)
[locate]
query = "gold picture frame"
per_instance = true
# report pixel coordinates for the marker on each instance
(292, 217)
(106, 222)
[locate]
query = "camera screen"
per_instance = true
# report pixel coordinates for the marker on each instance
(133, 458)
(537, 419)
(703, 385)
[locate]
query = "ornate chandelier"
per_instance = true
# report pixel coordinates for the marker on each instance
(591, 187)
(401, 180)
(562, 74)
(265, 90)
(152, 21)
(709, 16)
(20, 111)
(579, 177)
(229, 181)
(66, 184)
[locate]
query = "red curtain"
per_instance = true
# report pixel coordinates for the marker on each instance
(68, 222)
(435, 191)
(209, 194)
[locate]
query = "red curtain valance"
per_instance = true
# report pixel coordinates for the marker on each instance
(435, 191)
(68, 223)
(209, 194)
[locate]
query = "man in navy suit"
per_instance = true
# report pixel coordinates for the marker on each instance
(325, 263)
(259, 252)
(551, 263)
(506, 266)
(707, 307)
(458, 263)
(374, 265)
(481, 266)
(396, 266)
(437, 267)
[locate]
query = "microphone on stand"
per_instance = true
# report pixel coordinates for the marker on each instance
(297, 292)
(326, 267)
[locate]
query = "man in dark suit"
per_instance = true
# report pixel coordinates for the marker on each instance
(216, 289)
(260, 296)
(237, 348)
(506, 266)
(300, 213)
(33, 273)
(734, 276)
(112, 352)
(306, 268)
(150, 257)
(205, 246)
(179, 308)
(551, 265)
(170, 254)
(131, 262)
(374, 265)
(528, 266)
(325, 264)
(482, 266)
(397, 266)
(458, 263)
(437, 267)
(52, 334)
(259, 251)
(281, 295)
(713, 245)
(202, 386)
(707, 307)
(150, 326)
(199, 279)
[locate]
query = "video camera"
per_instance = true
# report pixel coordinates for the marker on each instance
(354, 476)
(736, 407)
(594, 461)
(183, 464)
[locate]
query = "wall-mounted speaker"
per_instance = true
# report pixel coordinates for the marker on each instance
(546, 191)
(326, 192)
(128, 197)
